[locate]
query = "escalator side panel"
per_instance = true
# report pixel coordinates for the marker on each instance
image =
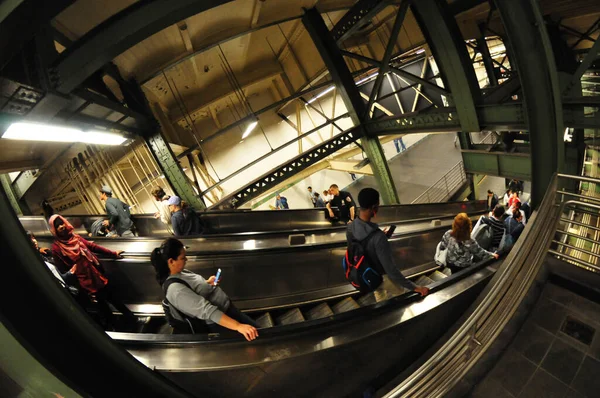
(345, 371)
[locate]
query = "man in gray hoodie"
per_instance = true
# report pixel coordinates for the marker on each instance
(118, 213)
(378, 248)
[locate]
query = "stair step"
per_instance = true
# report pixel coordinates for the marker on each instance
(390, 287)
(265, 320)
(322, 310)
(367, 299)
(437, 276)
(423, 281)
(347, 304)
(446, 271)
(292, 316)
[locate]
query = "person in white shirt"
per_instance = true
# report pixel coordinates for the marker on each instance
(164, 212)
(311, 196)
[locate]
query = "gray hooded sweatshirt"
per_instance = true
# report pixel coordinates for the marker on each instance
(378, 249)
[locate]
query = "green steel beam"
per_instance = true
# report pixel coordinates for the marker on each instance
(533, 56)
(10, 193)
(451, 56)
(342, 77)
(161, 150)
(501, 164)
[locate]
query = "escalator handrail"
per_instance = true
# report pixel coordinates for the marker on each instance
(293, 329)
(491, 315)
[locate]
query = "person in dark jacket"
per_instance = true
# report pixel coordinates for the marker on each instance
(378, 248)
(118, 213)
(281, 202)
(75, 255)
(184, 220)
(492, 200)
(514, 225)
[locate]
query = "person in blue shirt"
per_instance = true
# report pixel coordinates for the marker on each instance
(281, 202)
(184, 220)
(318, 200)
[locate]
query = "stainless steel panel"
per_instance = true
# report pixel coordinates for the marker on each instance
(375, 344)
(228, 222)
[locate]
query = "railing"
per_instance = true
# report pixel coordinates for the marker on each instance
(445, 187)
(577, 239)
(491, 139)
(514, 279)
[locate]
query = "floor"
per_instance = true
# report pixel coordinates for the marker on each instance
(417, 168)
(544, 361)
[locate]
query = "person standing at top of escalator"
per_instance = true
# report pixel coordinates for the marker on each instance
(378, 249)
(344, 202)
(184, 220)
(312, 196)
(281, 202)
(118, 213)
(318, 201)
(164, 211)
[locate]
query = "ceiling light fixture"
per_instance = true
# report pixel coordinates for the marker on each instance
(330, 89)
(421, 51)
(249, 129)
(53, 133)
(367, 78)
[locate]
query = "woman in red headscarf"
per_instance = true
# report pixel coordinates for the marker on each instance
(76, 255)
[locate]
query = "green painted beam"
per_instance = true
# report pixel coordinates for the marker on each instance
(448, 48)
(380, 167)
(12, 197)
(501, 164)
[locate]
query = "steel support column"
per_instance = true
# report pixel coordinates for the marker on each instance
(526, 32)
(159, 147)
(488, 62)
(10, 194)
(341, 76)
(450, 53)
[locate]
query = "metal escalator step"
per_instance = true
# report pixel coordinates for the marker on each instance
(347, 304)
(265, 320)
(446, 271)
(292, 316)
(423, 281)
(367, 299)
(322, 310)
(390, 288)
(437, 276)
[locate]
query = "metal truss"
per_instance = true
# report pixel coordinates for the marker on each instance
(269, 180)
(440, 119)
(359, 15)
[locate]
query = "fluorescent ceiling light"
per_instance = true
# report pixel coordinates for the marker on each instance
(249, 129)
(421, 51)
(367, 78)
(53, 133)
(330, 89)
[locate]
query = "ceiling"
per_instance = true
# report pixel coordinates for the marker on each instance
(203, 68)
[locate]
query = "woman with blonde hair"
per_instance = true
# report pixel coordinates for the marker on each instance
(462, 250)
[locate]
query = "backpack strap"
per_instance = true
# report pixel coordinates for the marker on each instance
(363, 243)
(170, 281)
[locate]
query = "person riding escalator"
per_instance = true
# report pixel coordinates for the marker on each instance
(194, 304)
(75, 255)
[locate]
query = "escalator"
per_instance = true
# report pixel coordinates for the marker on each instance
(281, 268)
(236, 221)
(334, 347)
(282, 313)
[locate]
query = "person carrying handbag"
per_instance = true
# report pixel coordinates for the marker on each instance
(458, 249)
